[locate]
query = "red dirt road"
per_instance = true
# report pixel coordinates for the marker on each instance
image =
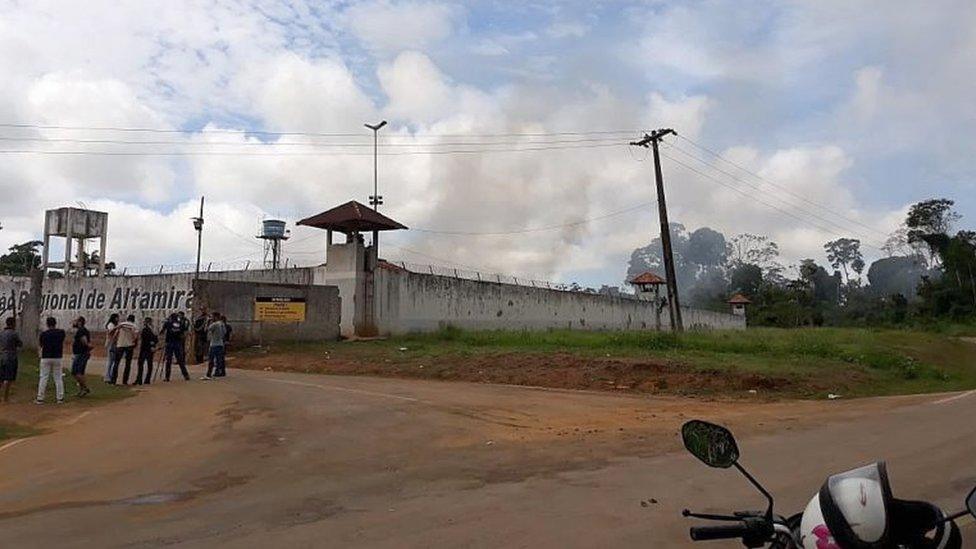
(274, 459)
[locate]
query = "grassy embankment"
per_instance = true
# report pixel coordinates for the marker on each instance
(21, 417)
(774, 362)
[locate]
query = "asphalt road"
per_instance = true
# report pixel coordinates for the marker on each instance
(265, 459)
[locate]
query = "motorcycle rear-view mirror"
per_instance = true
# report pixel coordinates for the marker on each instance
(971, 502)
(713, 444)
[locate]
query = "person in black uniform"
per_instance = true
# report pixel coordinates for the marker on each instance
(174, 334)
(81, 348)
(147, 348)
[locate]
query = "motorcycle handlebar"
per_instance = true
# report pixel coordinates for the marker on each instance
(704, 533)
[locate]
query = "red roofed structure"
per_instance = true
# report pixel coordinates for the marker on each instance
(352, 217)
(647, 278)
(738, 303)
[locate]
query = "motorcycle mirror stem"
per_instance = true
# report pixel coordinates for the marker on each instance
(752, 480)
(969, 510)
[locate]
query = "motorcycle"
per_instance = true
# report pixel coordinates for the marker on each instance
(854, 509)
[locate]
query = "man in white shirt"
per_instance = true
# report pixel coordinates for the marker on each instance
(126, 338)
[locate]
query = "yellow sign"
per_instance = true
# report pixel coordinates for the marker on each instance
(279, 309)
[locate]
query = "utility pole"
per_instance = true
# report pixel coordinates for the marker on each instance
(674, 307)
(198, 225)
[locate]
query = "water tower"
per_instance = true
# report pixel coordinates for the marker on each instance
(77, 226)
(273, 233)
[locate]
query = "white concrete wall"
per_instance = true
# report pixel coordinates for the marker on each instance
(13, 292)
(414, 302)
(155, 296)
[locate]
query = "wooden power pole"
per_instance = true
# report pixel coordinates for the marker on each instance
(674, 307)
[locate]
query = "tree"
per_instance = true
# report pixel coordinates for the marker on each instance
(707, 247)
(824, 287)
(751, 249)
(896, 275)
(21, 259)
(930, 221)
(91, 262)
(746, 279)
(845, 253)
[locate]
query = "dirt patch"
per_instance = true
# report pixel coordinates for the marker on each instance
(554, 370)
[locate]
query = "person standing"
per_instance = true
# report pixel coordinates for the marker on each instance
(112, 365)
(128, 337)
(147, 348)
(52, 352)
(215, 335)
(10, 344)
(200, 325)
(174, 334)
(227, 333)
(81, 348)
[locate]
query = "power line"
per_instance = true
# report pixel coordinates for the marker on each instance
(746, 194)
(284, 133)
(297, 153)
(296, 143)
(781, 187)
(537, 229)
(785, 202)
(237, 234)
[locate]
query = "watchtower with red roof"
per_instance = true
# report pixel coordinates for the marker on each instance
(738, 303)
(350, 264)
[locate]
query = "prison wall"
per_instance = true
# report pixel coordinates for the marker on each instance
(236, 301)
(415, 302)
(155, 296)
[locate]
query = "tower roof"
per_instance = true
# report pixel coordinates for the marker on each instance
(647, 278)
(739, 299)
(352, 217)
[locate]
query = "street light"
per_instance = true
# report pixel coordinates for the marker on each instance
(198, 227)
(375, 200)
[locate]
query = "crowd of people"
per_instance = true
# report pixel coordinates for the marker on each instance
(125, 341)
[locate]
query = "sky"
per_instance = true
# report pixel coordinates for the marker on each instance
(508, 123)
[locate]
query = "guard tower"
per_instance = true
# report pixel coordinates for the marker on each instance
(350, 265)
(76, 226)
(648, 287)
(273, 233)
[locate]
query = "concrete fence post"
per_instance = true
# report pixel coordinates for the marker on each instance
(31, 316)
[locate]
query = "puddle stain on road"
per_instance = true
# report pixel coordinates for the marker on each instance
(202, 487)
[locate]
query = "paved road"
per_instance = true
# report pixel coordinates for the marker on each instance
(271, 459)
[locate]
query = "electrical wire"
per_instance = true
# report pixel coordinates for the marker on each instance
(781, 187)
(766, 193)
(283, 133)
(308, 153)
(270, 144)
(750, 196)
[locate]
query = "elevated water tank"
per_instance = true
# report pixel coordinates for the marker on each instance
(273, 229)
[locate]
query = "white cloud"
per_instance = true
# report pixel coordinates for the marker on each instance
(416, 88)
(393, 26)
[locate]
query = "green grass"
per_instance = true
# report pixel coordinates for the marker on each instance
(850, 361)
(24, 391)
